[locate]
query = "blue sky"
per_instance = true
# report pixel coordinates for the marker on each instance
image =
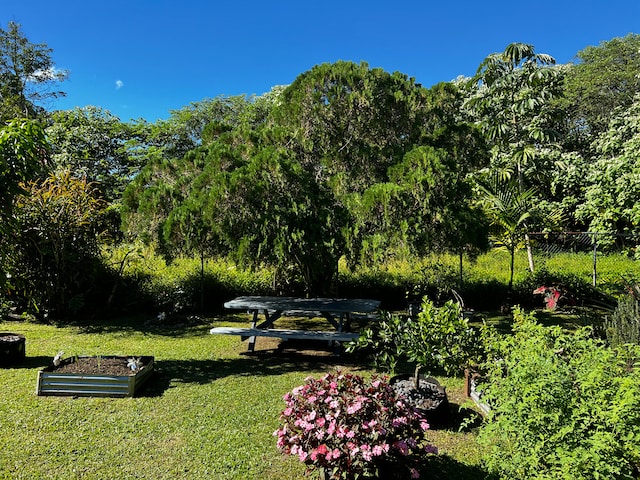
(144, 58)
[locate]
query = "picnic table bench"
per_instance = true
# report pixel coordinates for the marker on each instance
(337, 312)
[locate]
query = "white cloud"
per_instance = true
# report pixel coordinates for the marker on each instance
(119, 84)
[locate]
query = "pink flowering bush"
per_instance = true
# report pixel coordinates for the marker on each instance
(352, 428)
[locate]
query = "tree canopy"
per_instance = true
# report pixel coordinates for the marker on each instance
(348, 162)
(27, 72)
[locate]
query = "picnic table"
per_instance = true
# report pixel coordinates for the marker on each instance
(337, 311)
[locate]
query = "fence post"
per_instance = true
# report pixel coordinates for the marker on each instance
(595, 271)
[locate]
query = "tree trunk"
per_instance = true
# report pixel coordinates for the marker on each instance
(527, 242)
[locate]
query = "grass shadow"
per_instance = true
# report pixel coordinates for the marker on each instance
(265, 362)
(444, 467)
(463, 418)
(31, 362)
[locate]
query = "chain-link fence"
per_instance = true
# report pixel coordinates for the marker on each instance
(548, 244)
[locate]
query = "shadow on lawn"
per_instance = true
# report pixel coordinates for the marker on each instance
(444, 467)
(261, 363)
(32, 362)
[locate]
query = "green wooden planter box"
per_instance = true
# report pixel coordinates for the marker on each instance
(51, 382)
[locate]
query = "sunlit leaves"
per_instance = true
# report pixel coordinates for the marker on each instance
(26, 75)
(56, 241)
(514, 88)
(23, 154)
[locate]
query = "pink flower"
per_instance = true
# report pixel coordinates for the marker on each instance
(378, 450)
(366, 452)
(331, 428)
(398, 422)
(353, 408)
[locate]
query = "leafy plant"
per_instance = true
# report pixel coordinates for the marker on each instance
(352, 428)
(57, 244)
(384, 340)
(563, 405)
(623, 325)
(438, 338)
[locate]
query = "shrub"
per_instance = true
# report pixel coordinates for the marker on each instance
(55, 261)
(623, 325)
(564, 406)
(352, 428)
(438, 338)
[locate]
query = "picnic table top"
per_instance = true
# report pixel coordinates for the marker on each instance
(333, 305)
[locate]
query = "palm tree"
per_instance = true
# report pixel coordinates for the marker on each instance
(508, 208)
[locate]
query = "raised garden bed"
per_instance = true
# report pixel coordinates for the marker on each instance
(471, 383)
(12, 348)
(103, 376)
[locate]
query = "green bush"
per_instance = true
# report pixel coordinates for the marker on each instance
(623, 325)
(564, 406)
(437, 339)
(576, 289)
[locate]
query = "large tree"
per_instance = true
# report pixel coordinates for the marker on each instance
(27, 74)
(613, 185)
(291, 189)
(513, 102)
(604, 78)
(94, 144)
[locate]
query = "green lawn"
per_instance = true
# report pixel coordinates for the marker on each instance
(208, 411)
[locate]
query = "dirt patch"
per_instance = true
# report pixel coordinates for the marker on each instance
(116, 366)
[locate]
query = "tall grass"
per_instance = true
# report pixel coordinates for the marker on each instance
(149, 284)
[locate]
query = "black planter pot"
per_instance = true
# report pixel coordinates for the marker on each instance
(430, 399)
(12, 348)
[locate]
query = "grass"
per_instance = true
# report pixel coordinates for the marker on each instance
(208, 411)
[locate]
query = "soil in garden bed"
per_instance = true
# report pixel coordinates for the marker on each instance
(428, 396)
(96, 366)
(6, 337)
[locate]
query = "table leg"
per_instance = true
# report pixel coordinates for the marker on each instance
(252, 340)
(268, 323)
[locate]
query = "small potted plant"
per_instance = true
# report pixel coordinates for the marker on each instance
(345, 427)
(436, 339)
